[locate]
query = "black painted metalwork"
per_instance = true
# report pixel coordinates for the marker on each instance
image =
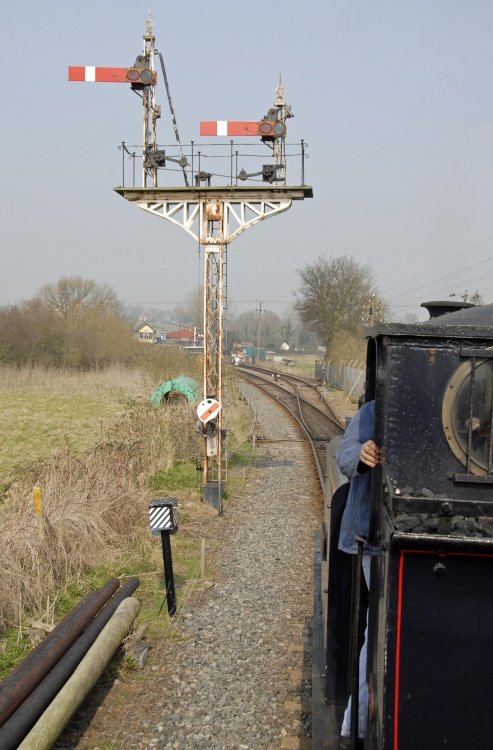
(168, 573)
(431, 534)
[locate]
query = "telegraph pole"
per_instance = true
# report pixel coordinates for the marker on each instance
(260, 310)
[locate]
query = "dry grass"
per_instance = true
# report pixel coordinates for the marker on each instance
(88, 502)
(91, 441)
(166, 362)
(96, 490)
(95, 508)
(60, 381)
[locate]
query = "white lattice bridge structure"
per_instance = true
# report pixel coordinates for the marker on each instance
(242, 206)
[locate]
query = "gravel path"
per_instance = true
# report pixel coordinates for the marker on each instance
(241, 677)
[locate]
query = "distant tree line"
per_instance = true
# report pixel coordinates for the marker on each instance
(336, 299)
(78, 323)
(74, 322)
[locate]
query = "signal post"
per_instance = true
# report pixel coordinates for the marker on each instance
(213, 215)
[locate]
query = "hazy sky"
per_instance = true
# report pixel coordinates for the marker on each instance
(394, 98)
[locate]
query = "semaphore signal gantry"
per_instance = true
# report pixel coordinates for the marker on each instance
(214, 205)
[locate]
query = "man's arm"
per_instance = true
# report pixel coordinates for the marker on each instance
(357, 451)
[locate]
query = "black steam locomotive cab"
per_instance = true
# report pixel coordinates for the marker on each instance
(430, 656)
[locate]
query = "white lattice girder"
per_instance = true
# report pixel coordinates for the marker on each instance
(238, 215)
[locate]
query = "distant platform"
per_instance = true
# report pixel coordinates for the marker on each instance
(222, 192)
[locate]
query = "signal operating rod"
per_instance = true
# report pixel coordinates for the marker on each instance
(173, 117)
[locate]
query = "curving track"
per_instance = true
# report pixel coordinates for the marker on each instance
(305, 403)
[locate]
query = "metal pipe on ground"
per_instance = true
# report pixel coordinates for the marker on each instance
(22, 721)
(49, 726)
(29, 673)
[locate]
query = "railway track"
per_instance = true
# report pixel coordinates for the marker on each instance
(305, 403)
(319, 423)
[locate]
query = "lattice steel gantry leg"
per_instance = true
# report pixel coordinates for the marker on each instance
(212, 239)
(213, 365)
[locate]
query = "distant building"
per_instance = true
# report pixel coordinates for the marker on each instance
(149, 334)
(187, 336)
(146, 333)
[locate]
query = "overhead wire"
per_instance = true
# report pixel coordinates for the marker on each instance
(458, 255)
(448, 276)
(437, 283)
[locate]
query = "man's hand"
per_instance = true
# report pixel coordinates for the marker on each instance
(369, 454)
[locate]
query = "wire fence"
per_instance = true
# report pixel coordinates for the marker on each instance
(341, 377)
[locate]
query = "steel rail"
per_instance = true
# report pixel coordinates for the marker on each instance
(287, 377)
(332, 417)
(265, 376)
(264, 387)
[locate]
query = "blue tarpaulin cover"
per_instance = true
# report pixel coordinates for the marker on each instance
(181, 384)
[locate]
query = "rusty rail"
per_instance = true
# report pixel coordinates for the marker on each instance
(25, 717)
(24, 678)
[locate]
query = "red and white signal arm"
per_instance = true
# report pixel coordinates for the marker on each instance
(208, 409)
(99, 74)
(228, 127)
(269, 129)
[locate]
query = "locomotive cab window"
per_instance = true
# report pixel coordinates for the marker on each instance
(467, 414)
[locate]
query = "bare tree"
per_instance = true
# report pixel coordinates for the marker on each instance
(74, 322)
(270, 330)
(287, 331)
(246, 325)
(190, 312)
(72, 296)
(333, 296)
(31, 333)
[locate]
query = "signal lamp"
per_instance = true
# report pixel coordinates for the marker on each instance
(270, 129)
(143, 76)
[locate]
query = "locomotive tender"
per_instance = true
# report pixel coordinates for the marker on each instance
(430, 605)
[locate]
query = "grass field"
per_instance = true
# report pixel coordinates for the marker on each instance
(45, 411)
(99, 451)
